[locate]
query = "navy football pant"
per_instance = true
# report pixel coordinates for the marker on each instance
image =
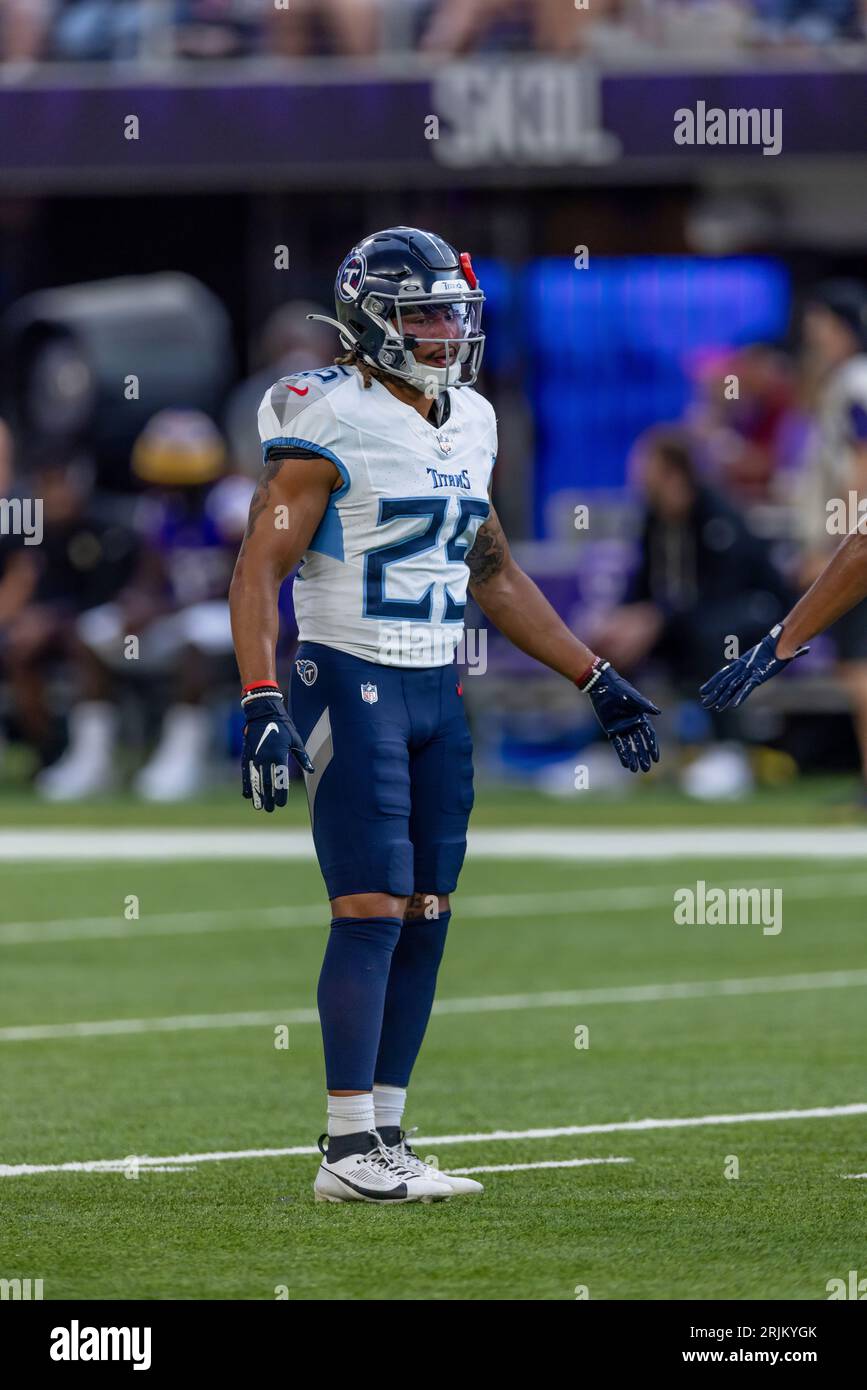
(392, 789)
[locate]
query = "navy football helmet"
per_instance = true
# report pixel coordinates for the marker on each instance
(409, 305)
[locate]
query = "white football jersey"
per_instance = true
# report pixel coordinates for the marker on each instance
(384, 576)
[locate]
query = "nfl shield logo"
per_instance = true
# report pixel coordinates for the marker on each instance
(445, 444)
(369, 694)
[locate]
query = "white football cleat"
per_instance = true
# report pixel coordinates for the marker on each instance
(372, 1176)
(404, 1154)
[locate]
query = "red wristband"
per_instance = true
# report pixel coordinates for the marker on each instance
(587, 674)
(260, 685)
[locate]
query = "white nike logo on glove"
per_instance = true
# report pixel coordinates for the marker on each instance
(268, 728)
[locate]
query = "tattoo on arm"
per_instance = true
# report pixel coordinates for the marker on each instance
(488, 554)
(259, 500)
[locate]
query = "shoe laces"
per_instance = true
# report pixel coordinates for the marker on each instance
(407, 1154)
(390, 1160)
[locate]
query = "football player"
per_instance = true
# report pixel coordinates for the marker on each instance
(835, 330)
(376, 477)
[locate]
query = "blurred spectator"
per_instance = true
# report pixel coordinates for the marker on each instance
(547, 25)
(807, 21)
(18, 569)
(84, 558)
(288, 343)
(702, 577)
(350, 27)
(75, 30)
(171, 620)
(748, 420)
(694, 26)
(97, 30)
(92, 30)
(835, 347)
(219, 28)
(24, 26)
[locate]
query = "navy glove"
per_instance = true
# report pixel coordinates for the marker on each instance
(732, 685)
(269, 738)
(622, 712)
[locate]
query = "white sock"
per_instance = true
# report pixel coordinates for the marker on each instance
(389, 1103)
(350, 1114)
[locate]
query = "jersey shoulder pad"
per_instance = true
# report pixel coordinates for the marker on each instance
(297, 407)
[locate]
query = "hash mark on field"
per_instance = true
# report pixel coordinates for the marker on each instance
(498, 1136)
(491, 1003)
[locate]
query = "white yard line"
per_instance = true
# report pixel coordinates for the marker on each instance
(113, 1027)
(163, 924)
(491, 1003)
(525, 1167)
(566, 902)
(425, 1142)
(531, 842)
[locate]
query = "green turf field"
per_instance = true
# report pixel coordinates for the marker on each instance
(214, 965)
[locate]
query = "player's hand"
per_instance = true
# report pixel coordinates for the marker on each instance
(269, 739)
(732, 685)
(623, 714)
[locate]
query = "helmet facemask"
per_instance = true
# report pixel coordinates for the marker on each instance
(432, 340)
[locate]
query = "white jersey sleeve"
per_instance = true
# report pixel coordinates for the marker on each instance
(296, 413)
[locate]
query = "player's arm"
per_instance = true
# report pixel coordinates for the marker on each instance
(840, 586)
(286, 508)
(515, 605)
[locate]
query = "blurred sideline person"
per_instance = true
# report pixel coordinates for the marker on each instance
(702, 577)
(18, 570)
(175, 608)
(753, 443)
(835, 338)
(382, 465)
(835, 347)
(289, 342)
(85, 556)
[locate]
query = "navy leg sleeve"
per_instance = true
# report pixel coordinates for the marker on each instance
(351, 997)
(409, 998)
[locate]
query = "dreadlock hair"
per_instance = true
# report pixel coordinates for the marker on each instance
(353, 358)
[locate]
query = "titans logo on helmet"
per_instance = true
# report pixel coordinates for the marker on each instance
(351, 277)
